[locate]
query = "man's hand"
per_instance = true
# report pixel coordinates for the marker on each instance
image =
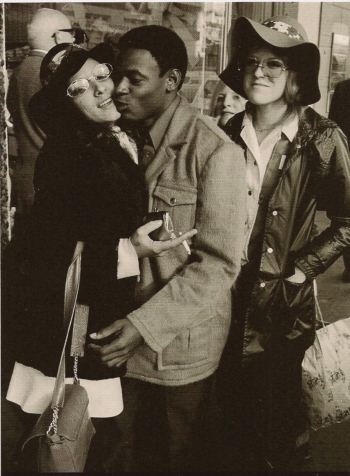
(145, 246)
(127, 339)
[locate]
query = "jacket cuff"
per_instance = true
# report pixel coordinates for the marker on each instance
(136, 321)
(128, 262)
(309, 272)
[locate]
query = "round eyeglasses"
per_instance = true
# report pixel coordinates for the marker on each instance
(79, 86)
(272, 67)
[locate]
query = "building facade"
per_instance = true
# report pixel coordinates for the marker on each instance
(204, 27)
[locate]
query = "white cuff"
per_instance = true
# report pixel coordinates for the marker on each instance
(128, 262)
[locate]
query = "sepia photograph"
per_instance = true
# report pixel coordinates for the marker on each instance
(175, 237)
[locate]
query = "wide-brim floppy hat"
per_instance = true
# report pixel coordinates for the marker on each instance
(289, 38)
(58, 65)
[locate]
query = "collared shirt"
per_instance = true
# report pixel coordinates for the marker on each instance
(257, 158)
(157, 132)
(159, 128)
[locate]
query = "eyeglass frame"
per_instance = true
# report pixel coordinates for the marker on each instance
(262, 66)
(76, 32)
(110, 67)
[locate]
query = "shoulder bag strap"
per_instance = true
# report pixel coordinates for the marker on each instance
(70, 300)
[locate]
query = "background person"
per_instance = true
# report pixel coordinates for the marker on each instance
(173, 341)
(225, 104)
(296, 162)
(339, 112)
(43, 34)
(88, 188)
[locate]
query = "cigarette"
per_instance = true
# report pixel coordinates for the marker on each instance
(187, 247)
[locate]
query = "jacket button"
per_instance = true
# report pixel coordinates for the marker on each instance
(275, 213)
(262, 285)
(269, 250)
(172, 200)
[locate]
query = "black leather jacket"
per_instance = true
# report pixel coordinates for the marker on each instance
(316, 176)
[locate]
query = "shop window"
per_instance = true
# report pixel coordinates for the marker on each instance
(200, 25)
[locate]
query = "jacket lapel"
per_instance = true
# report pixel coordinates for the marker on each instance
(174, 139)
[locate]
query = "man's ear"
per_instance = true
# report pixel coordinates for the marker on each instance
(173, 80)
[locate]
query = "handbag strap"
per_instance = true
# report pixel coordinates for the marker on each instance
(70, 300)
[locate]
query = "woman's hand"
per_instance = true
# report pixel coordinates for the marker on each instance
(298, 277)
(145, 246)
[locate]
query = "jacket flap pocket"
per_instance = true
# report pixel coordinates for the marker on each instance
(176, 196)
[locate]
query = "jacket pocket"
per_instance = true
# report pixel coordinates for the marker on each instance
(188, 349)
(298, 309)
(179, 201)
(291, 292)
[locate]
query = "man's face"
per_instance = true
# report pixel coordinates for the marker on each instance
(140, 92)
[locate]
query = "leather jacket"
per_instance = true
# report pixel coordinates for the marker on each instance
(315, 176)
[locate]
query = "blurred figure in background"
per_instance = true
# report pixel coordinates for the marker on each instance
(225, 104)
(47, 28)
(340, 113)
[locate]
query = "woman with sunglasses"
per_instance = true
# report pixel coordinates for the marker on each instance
(88, 188)
(296, 162)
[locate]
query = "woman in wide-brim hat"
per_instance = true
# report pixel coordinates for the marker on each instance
(88, 187)
(296, 162)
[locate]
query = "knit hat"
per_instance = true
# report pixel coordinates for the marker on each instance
(289, 38)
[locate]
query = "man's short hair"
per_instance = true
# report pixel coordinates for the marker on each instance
(166, 47)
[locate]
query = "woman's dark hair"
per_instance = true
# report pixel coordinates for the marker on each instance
(166, 47)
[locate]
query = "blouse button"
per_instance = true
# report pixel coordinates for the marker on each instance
(172, 200)
(262, 285)
(250, 192)
(269, 250)
(275, 213)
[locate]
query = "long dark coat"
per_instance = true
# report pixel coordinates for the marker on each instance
(89, 190)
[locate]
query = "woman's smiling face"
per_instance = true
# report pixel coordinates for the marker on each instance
(96, 103)
(261, 89)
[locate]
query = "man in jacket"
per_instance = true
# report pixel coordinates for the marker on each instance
(44, 31)
(340, 113)
(174, 340)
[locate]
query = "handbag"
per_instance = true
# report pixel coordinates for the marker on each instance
(326, 373)
(64, 431)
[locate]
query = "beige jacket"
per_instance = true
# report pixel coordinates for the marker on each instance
(198, 176)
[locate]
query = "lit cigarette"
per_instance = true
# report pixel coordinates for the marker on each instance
(186, 245)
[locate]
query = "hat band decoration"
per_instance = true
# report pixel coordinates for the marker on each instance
(284, 28)
(288, 37)
(56, 61)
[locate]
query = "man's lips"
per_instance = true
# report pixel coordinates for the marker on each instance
(121, 104)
